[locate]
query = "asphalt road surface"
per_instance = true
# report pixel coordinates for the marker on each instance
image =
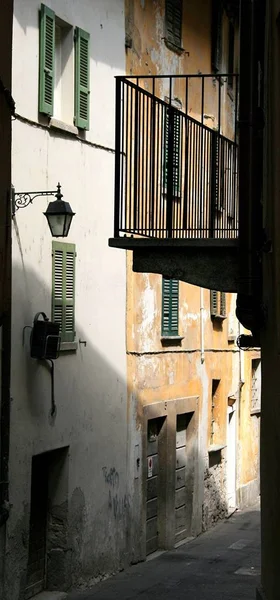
(222, 564)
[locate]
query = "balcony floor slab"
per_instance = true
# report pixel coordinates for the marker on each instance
(209, 263)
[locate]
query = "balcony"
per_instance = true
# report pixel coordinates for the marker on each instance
(176, 176)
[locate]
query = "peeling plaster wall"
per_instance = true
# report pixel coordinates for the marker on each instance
(90, 384)
(215, 504)
(248, 483)
(159, 373)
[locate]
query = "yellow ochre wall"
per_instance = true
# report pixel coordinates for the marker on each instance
(159, 372)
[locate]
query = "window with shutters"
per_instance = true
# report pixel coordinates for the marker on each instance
(216, 35)
(63, 70)
(47, 58)
(230, 57)
(63, 107)
(173, 23)
(63, 289)
(172, 151)
(81, 78)
(218, 307)
(256, 386)
(170, 307)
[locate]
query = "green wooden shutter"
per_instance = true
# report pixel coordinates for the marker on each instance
(165, 306)
(215, 169)
(223, 306)
(57, 286)
(231, 35)
(170, 113)
(214, 308)
(165, 149)
(47, 60)
(173, 22)
(174, 308)
(170, 307)
(218, 304)
(82, 59)
(176, 154)
(63, 289)
(216, 35)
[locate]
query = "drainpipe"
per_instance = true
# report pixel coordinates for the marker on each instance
(238, 411)
(241, 365)
(202, 356)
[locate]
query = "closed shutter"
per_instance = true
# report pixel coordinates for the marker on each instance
(218, 304)
(173, 22)
(47, 58)
(216, 35)
(230, 68)
(175, 131)
(223, 306)
(63, 292)
(170, 306)
(215, 166)
(174, 308)
(165, 149)
(176, 154)
(214, 303)
(82, 78)
(165, 306)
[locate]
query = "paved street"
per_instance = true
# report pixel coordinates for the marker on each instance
(223, 564)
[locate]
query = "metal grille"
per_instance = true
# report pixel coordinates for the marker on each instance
(176, 171)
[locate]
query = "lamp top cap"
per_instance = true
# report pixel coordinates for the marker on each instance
(59, 195)
(59, 207)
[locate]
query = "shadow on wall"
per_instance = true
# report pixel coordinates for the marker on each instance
(92, 421)
(99, 505)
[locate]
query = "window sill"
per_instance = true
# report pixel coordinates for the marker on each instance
(171, 340)
(171, 46)
(68, 346)
(216, 448)
(176, 196)
(218, 317)
(57, 124)
(256, 411)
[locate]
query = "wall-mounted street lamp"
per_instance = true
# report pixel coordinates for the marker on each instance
(59, 214)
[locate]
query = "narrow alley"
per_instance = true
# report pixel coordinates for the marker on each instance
(140, 292)
(223, 563)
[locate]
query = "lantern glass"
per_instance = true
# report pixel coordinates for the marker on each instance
(59, 216)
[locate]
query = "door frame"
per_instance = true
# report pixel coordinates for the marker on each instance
(167, 456)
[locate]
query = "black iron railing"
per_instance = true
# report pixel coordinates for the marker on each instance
(176, 171)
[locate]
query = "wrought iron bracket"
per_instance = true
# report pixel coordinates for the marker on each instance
(23, 199)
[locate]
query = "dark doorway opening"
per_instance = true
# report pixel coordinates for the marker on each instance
(47, 566)
(36, 567)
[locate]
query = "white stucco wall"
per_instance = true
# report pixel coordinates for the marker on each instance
(90, 384)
